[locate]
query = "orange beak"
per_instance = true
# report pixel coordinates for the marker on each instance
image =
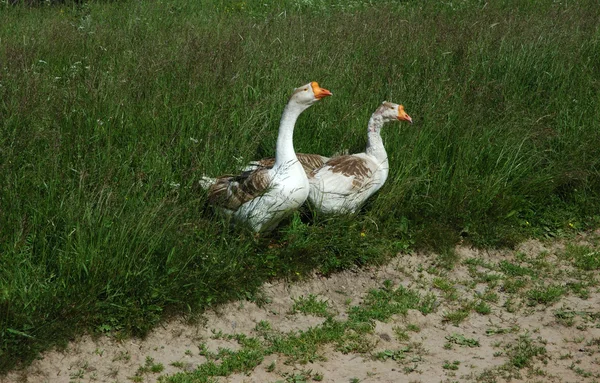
(319, 92)
(402, 115)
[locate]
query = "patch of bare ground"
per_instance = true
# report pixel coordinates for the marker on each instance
(530, 314)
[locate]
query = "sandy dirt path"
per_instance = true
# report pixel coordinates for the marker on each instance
(568, 330)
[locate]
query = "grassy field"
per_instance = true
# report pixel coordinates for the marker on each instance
(111, 112)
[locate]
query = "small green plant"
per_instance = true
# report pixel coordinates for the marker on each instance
(461, 340)
(482, 308)
(401, 334)
(122, 356)
(513, 270)
(490, 296)
(79, 374)
(501, 330)
(399, 354)
(451, 366)
(263, 326)
(456, 317)
(524, 351)
(584, 257)
(447, 287)
(513, 285)
(448, 259)
(580, 371)
(150, 366)
(310, 305)
(545, 296)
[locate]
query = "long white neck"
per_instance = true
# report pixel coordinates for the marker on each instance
(374, 142)
(284, 153)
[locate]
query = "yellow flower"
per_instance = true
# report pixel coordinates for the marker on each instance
(362, 234)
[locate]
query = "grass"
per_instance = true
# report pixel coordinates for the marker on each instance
(310, 305)
(110, 112)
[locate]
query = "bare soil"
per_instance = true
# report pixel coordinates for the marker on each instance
(572, 349)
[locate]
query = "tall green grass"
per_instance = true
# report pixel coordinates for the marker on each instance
(111, 112)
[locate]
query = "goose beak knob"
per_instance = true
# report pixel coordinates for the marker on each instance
(403, 116)
(319, 92)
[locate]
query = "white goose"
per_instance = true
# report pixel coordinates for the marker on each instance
(262, 197)
(343, 183)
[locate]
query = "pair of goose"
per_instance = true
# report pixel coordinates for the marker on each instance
(269, 189)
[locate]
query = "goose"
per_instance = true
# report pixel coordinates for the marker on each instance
(262, 197)
(343, 183)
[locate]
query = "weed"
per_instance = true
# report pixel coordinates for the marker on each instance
(263, 326)
(513, 270)
(513, 285)
(455, 317)
(500, 330)
(583, 257)
(447, 259)
(383, 303)
(446, 286)
(451, 366)
(482, 308)
(523, 352)
(393, 354)
(461, 340)
(545, 296)
(490, 296)
(122, 356)
(580, 371)
(310, 305)
(401, 334)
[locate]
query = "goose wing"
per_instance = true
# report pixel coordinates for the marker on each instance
(344, 174)
(231, 192)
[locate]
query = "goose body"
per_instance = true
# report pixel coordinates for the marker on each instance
(263, 196)
(344, 183)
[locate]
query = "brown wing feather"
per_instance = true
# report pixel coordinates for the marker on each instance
(350, 166)
(266, 162)
(310, 162)
(231, 192)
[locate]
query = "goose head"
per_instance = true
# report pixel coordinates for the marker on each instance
(391, 112)
(308, 94)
